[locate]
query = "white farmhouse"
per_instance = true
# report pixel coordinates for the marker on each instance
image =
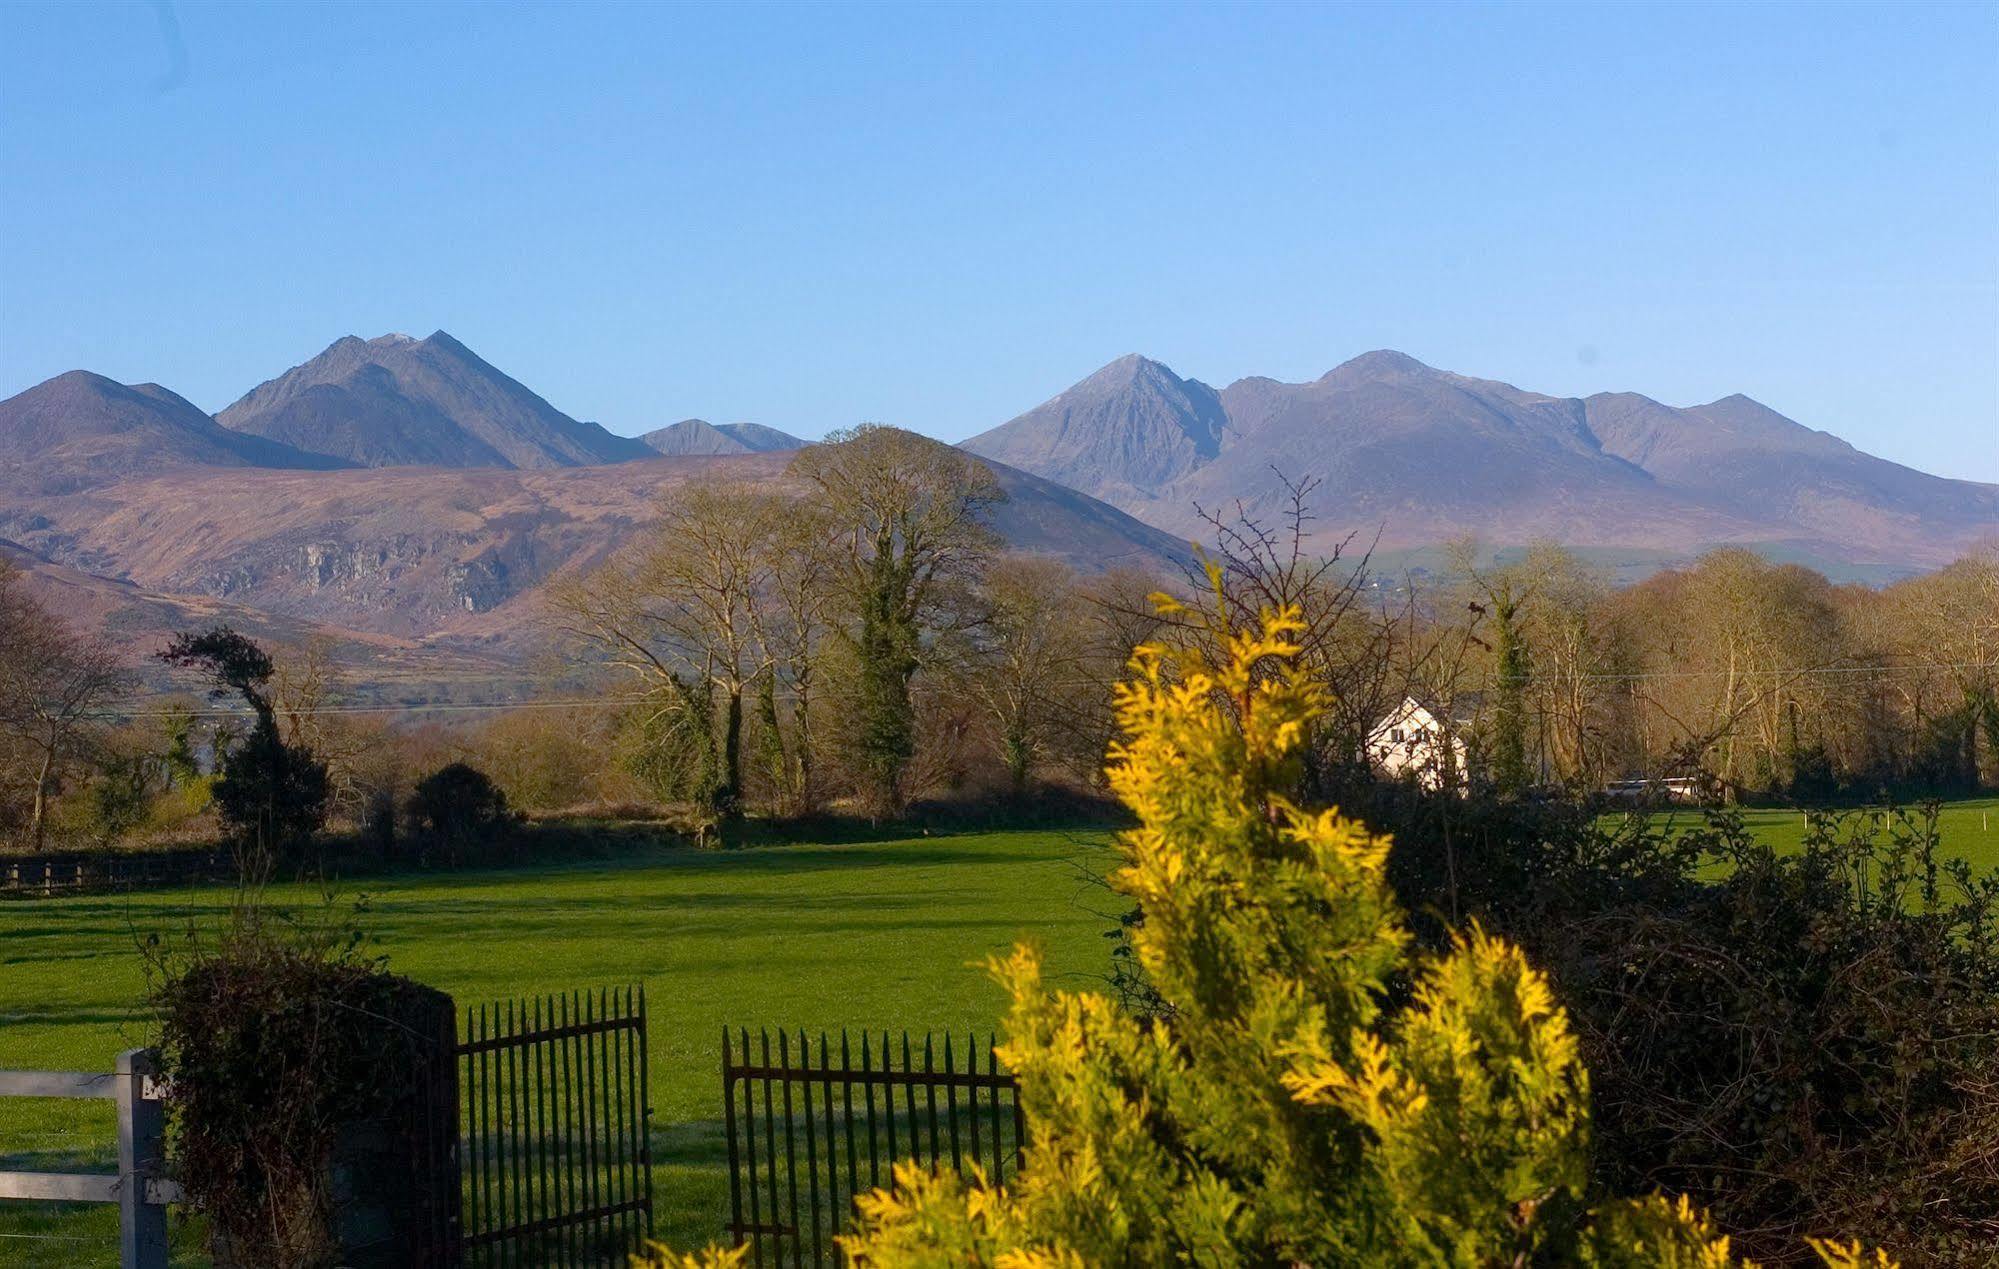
(1419, 741)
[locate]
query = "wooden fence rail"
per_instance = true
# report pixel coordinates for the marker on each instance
(138, 1189)
(45, 876)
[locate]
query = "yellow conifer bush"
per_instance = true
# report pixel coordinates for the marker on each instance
(1283, 1114)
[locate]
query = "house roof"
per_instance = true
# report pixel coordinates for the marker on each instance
(1463, 712)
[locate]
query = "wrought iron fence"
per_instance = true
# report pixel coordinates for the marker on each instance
(805, 1138)
(554, 1130)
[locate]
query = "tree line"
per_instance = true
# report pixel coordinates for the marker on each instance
(854, 637)
(861, 636)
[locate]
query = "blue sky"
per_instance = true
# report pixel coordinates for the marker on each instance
(939, 216)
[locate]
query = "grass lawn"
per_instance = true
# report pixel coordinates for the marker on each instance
(887, 934)
(1968, 829)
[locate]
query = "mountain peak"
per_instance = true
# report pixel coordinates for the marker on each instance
(1129, 368)
(396, 400)
(79, 379)
(692, 436)
(1380, 363)
(81, 428)
(698, 436)
(446, 340)
(1131, 424)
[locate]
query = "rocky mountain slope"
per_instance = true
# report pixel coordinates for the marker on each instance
(698, 436)
(381, 668)
(1746, 455)
(1129, 429)
(81, 429)
(396, 401)
(1419, 455)
(450, 557)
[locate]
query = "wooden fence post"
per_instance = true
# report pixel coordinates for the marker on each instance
(142, 1223)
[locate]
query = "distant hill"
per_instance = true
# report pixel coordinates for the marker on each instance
(455, 558)
(1746, 455)
(698, 436)
(397, 401)
(81, 429)
(762, 439)
(1419, 455)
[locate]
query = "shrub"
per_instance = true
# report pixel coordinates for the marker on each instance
(1807, 1042)
(545, 759)
(1799, 1041)
(458, 813)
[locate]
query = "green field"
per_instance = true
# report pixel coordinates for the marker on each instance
(886, 934)
(1967, 829)
(876, 935)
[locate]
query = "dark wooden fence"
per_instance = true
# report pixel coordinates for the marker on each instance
(554, 1130)
(42, 876)
(807, 1135)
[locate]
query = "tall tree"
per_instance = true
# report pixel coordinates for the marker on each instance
(1731, 643)
(1581, 673)
(910, 514)
(793, 626)
(1945, 628)
(1032, 654)
(1505, 593)
(685, 607)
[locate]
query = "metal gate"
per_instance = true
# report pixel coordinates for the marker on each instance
(554, 1130)
(806, 1137)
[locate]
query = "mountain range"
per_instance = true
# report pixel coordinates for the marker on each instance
(389, 493)
(404, 493)
(1417, 455)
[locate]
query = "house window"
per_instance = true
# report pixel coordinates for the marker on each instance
(1397, 735)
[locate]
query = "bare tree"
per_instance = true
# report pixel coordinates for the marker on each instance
(54, 685)
(1361, 636)
(1120, 614)
(1032, 659)
(684, 605)
(793, 623)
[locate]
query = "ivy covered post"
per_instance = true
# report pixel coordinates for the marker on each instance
(314, 1109)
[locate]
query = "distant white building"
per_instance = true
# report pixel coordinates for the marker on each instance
(1692, 788)
(1419, 741)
